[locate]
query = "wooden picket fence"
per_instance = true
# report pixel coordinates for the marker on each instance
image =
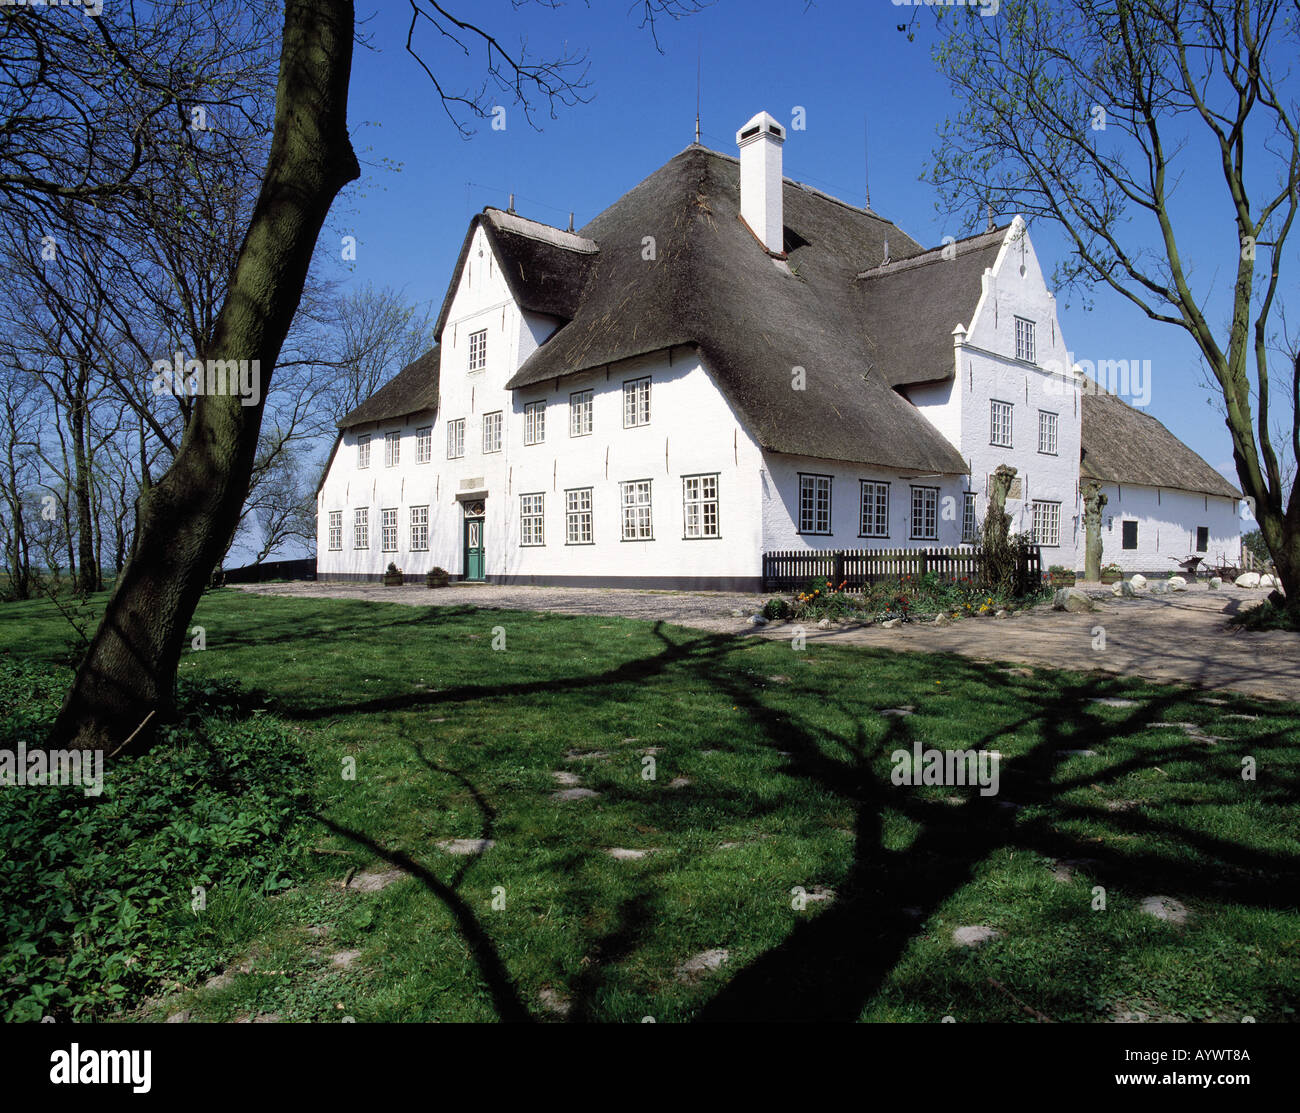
(857, 569)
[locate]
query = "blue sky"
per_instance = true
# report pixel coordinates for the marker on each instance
(843, 61)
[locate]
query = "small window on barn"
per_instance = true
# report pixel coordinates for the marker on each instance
(1130, 540)
(1202, 539)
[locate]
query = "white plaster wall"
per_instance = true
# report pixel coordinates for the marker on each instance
(1167, 522)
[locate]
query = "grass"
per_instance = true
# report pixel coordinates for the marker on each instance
(787, 759)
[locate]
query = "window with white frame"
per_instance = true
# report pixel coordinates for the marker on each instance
(419, 529)
(336, 530)
(874, 520)
(577, 516)
(1000, 424)
(700, 505)
(492, 432)
(361, 528)
(424, 445)
(1047, 432)
(580, 413)
(1025, 341)
(1047, 523)
(814, 503)
(530, 519)
(363, 450)
(456, 439)
(478, 350)
(925, 513)
(388, 530)
(636, 402)
(637, 522)
(534, 423)
(970, 530)
(392, 449)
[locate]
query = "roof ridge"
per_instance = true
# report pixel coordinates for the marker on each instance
(935, 254)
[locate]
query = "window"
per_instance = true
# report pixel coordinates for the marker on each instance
(424, 445)
(1047, 432)
(388, 531)
(1025, 342)
(580, 413)
(1202, 539)
(1047, 523)
(577, 516)
(492, 432)
(875, 509)
(925, 513)
(1000, 424)
(534, 423)
(478, 350)
(336, 530)
(637, 523)
(363, 451)
(1130, 531)
(392, 449)
(456, 439)
(970, 530)
(814, 503)
(636, 402)
(419, 529)
(700, 505)
(361, 528)
(530, 520)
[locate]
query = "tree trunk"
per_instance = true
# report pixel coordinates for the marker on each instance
(87, 579)
(185, 521)
(1093, 504)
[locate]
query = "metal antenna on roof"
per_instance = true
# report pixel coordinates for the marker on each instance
(699, 52)
(511, 207)
(866, 163)
(570, 222)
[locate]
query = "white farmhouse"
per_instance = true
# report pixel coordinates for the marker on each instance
(727, 362)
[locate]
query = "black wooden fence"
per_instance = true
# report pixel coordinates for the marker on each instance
(859, 568)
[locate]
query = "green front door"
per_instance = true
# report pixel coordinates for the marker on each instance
(474, 549)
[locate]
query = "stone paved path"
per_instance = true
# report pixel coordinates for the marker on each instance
(1182, 636)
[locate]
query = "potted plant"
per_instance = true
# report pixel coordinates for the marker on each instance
(1111, 574)
(393, 576)
(1060, 577)
(436, 577)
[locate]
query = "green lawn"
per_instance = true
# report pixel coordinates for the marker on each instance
(786, 756)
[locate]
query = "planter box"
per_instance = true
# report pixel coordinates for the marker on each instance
(436, 579)
(393, 579)
(1062, 579)
(1111, 577)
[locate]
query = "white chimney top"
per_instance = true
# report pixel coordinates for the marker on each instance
(760, 143)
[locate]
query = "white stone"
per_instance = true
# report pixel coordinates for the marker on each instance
(1176, 583)
(757, 620)
(1247, 579)
(890, 623)
(701, 964)
(975, 935)
(1215, 583)
(465, 846)
(1138, 581)
(574, 794)
(1164, 908)
(1123, 588)
(1072, 599)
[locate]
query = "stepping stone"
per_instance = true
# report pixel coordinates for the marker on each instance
(579, 755)
(343, 959)
(679, 782)
(1164, 908)
(573, 794)
(371, 881)
(1062, 872)
(1111, 702)
(220, 981)
(317, 930)
(1122, 805)
(651, 750)
(695, 968)
(260, 1018)
(1017, 672)
(568, 779)
(623, 854)
(819, 893)
(778, 679)
(1247, 718)
(729, 845)
(975, 935)
(555, 1002)
(1214, 702)
(182, 1017)
(465, 846)
(906, 709)
(1078, 753)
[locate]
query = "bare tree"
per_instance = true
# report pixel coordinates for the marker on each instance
(1089, 113)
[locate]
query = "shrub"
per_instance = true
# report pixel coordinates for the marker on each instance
(776, 609)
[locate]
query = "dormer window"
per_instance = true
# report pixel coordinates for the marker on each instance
(478, 350)
(1025, 341)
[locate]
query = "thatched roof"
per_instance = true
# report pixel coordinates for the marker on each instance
(753, 319)
(1124, 445)
(414, 389)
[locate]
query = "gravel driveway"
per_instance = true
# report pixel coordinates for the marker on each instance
(1182, 636)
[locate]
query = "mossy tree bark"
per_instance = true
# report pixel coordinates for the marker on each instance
(184, 522)
(1094, 502)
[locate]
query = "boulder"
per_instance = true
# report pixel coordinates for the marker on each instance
(1159, 587)
(1248, 579)
(824, 624)
(1176, 583)
(1071, 599)
(1215, 583)
(942, 620)
(1138, 581)
(1266, 580)
(1123, 588)
(890, 623)
(757, 620)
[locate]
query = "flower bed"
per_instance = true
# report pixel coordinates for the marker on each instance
(907, 599)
